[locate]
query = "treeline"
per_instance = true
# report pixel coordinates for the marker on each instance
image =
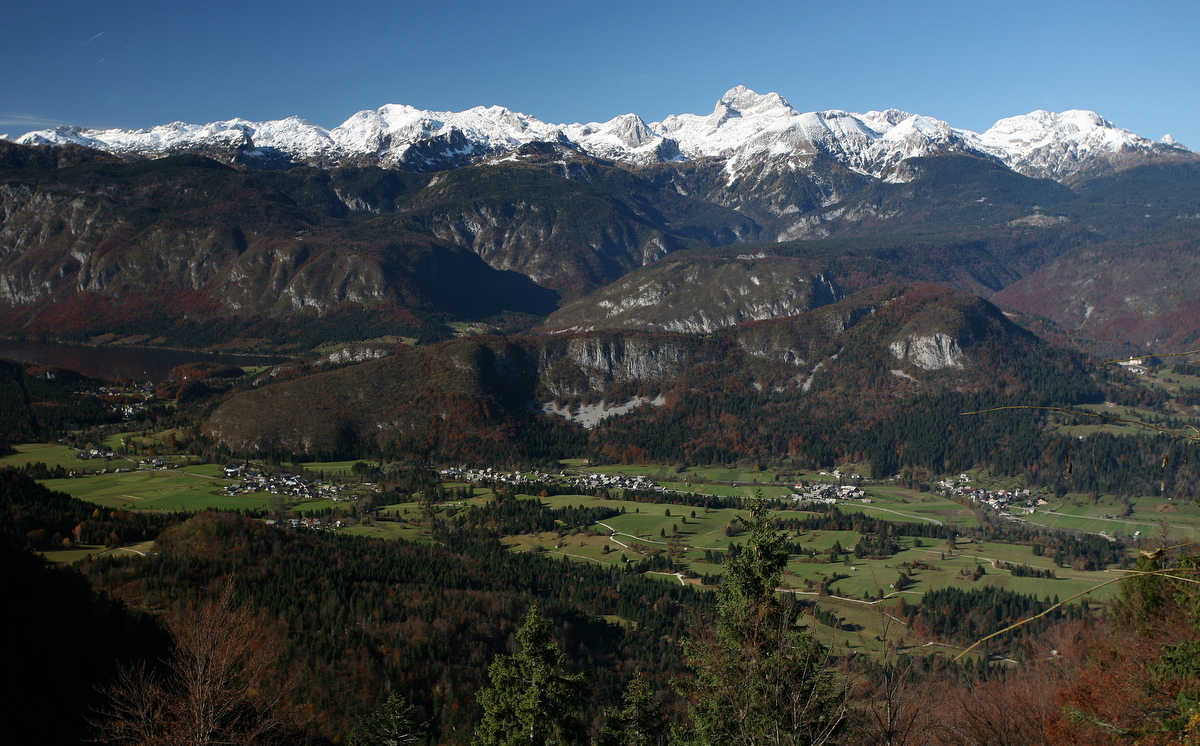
(929, 432)
(41, 403)
(1080, 550)
(32, 515)
(508, 516)
(67, 642)
(963, 617)
(364, 615)
(834, 519)
(1150, 464)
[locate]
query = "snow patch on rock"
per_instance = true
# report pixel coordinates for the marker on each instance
(589, 415)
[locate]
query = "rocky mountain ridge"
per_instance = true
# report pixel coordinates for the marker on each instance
(860, 360)
(744, 130)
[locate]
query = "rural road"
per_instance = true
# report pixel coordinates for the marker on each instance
(906, 515)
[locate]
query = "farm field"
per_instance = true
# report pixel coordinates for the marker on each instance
(210, 471)
(643, 524)
(664, 472)
(1086, 426)
(155, 490)
(52, 454)
(335, 467)
(905, 506)
(80, 551)
(391, 530)
(1149, 516)
(726, 490)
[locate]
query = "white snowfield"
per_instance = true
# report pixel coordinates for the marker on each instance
(746, 130)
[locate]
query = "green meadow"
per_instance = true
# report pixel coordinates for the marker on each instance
(1150, 516)
(52, 454)
(662, 472)
(155, 490)
(644, 525)
(335, 467)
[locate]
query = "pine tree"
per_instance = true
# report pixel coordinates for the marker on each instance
(759, 678)
(531, 702)
(394, 723)
(641, 722)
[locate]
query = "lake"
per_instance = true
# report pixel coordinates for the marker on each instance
(141, 363)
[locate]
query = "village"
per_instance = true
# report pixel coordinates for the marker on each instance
(1004, 502)
(255, 480)
(583, 482)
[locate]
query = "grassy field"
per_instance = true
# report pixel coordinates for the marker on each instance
(1128, 417)
(335, 467)
(391, 530)
(155, 490)
(905, 506)
(1151, 515)
(52, 454)
(671, 473)
(726, 490)
(643, 525)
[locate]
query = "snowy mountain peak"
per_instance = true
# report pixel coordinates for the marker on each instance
(1040, 125)
(1066, 145)
(742, 101)
(752, 133)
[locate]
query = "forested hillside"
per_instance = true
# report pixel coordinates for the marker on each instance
(880, 377)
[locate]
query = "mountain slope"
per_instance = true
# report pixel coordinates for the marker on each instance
(783, 388)
(754, 153)
(1135, 293)
(744, 129)
(196, 253)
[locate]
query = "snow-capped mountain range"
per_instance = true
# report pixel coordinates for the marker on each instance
(746, 131)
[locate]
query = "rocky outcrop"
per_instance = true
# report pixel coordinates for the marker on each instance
(701, 296)
(930, 352)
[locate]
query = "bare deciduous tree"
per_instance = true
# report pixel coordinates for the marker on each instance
(222, 684)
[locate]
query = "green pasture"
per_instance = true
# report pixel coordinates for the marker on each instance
(83, 551)
(870, 619)
(72, 555)
(52, 454)
(335, 467)
(209, 471)
(646, 523)
(155, 490)
(1113, 419)
(391, 530)
(308, 507)
(905, 506)
(1181, 518)
(1153, 510)
(1166, 379)
(875, 576)
(726, 490)
(664, 472)
(113, 441)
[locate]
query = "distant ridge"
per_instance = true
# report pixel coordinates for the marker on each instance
(746, 130)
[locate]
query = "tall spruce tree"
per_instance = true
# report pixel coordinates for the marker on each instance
(531, 702)
(759, 678)
(394, 723)
(640, 722)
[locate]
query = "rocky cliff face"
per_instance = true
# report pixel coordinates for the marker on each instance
(700, 296)
(928, 352)
(491, 388)
(584, 364)
(99, 250)
(753, 153)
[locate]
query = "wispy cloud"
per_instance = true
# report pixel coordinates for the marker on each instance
(89, 41)
(27, 121)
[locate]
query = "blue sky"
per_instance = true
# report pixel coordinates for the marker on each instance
(138, 64)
